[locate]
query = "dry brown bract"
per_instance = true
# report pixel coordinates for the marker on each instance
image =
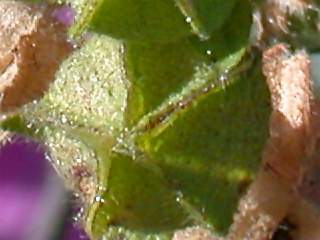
(288, 78)
(275, 193)
(32, 45)
(291, 6)
(272, 19)
(277, 13)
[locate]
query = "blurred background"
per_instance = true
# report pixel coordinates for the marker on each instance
(33, 202)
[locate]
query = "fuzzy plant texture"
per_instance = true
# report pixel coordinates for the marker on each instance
(155, 113)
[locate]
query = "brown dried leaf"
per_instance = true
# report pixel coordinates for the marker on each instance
(32, 45)
(271, 20)
(284, 7)
(262, 209)
(288, 78)
(272, 195)
(306, 218)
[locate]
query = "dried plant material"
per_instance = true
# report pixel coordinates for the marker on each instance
(290, 6)
(272, 195)
(277, 12)
(32, 45)
(307, 220)
(84, 182)
(288, 78)
(284, 230)
(257, 29)
(194, 233)
(272, 19)
(262, 209)
(16, 20)
(5, 137)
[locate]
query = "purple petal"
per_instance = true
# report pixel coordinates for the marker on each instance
(32, 200)
(65, 15)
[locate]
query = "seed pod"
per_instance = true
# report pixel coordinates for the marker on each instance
(32, 45)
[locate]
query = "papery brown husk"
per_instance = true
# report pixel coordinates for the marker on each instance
(272, 19)
(287, 157)
(32, 46)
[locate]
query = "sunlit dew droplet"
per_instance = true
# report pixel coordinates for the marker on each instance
(179, 196)
(99, 199)
(3, 117)
(188, 19)
(203, 36)
(101, 188)
(47, 157)
(75, 46)
(64, 119)
(120, 140)
(203, 210)
(208, 52)
(223, 80)
(81, 210)
(270, 20)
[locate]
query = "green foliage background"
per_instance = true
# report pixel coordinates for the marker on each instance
(165, 104)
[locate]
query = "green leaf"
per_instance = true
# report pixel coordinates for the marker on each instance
(156, 71)
(232, 36)
(206, 78)
(212, 150)
(136, 197)
(89, 93)
(167, 135)
(206, 16)
(17, 124)
(116, 232)
(139, 20)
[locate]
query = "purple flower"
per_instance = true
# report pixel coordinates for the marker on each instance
(65, 15)
(33, 202)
